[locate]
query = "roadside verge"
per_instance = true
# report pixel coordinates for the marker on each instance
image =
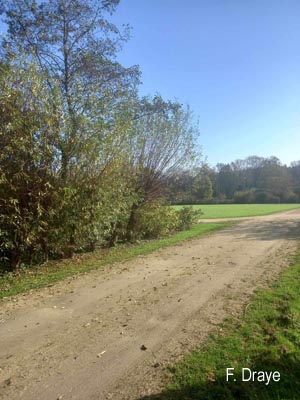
(47, 274)
(239, 361)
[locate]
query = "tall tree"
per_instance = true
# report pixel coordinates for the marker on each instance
(87, 94)
(28, 182)
(202, 188)
(295, 174)
(75, 47)
(163, 141)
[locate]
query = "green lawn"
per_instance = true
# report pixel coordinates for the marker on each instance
(43, 275)
(267, 338)
(240, 210)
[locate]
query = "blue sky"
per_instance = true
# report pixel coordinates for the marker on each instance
(236, 62)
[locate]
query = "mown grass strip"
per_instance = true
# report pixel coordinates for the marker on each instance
(240, 210)
(267, 338)
(43, 275)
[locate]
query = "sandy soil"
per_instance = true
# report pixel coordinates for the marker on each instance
(111, 333)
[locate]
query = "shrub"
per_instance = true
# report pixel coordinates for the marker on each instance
(244, 196)
(265, 197)
(290, 197)
(187, 216)
(156, 219)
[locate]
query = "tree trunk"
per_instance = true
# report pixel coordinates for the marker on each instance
(15, 260)
(45, 250)
(132, 224)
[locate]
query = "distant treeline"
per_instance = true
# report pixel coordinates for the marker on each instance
(252, 180)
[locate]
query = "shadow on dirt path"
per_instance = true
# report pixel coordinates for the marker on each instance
(83, 338)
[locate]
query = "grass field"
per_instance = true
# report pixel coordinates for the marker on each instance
(240, 210)
(43, 275)
(267, 338)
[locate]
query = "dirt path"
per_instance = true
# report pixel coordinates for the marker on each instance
(81, 338)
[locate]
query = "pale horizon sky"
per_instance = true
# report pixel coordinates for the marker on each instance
(237, 64)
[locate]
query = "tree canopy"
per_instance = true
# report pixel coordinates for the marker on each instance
(82, 155)
(252, 180)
